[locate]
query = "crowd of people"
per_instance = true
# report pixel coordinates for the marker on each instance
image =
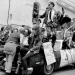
(30, 39)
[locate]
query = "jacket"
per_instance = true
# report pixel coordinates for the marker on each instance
(45, 16)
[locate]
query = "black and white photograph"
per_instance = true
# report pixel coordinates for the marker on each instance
(37, 37)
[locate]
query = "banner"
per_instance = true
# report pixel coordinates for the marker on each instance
(49, 54)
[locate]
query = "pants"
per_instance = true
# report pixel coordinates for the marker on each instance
(24, 60)
(9, 60)
(10, 51)
(23, 51)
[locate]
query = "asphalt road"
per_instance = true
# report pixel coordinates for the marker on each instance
(61, 71)
(1, 73)
(64, 71)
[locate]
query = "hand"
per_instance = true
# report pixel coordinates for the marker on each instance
(63, 10)
(31, 50)
(38, 16)
(31, 35)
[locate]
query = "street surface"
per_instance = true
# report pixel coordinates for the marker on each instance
(61, 71)
(64, 71)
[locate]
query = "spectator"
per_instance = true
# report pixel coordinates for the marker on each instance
(15, 30)
(2, 33)
(2, 29)
(10, 50)
(36, 42)
(65, 44)
(25, 42)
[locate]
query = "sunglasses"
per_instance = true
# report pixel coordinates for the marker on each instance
(49, 4)
(34, 29)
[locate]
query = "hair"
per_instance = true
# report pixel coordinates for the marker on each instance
(52, 3)
(29, 31)
(21, 29)
(2, 28)
(39, 20)
(23, 25)
(42, 29)
(15, 29)
(37, 28)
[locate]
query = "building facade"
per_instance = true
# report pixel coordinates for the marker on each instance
(20, 12)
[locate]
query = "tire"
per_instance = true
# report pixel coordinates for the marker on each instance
(74, 65)
(47, 71)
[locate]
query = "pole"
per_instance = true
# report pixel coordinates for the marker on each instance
(8, 13)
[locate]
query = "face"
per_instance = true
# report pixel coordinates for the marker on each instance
(34, 31)
(38, 23)
(58, 14)
(50, 6)
(26, 32)
(15, 30)
(47, 9)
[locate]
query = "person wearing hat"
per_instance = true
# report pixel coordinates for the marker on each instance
(36, 42)
(49, 13)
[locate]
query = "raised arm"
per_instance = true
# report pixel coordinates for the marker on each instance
(42, 16)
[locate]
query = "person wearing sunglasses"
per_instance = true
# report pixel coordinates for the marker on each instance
(36, 42)
(49, 14)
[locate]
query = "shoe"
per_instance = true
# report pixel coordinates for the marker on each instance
(29, 70)
(24, 72)
(2, 68)
(8, 74)
(2, 62)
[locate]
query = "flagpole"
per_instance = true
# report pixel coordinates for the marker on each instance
(8, 13)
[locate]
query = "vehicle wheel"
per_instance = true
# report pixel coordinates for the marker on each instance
(74, 65)
(47, 70)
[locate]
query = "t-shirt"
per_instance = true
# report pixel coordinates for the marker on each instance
(24, 40)
(15, 37)
(21, 37)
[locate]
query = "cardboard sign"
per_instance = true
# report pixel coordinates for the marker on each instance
(58, 45)
(49, 54)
